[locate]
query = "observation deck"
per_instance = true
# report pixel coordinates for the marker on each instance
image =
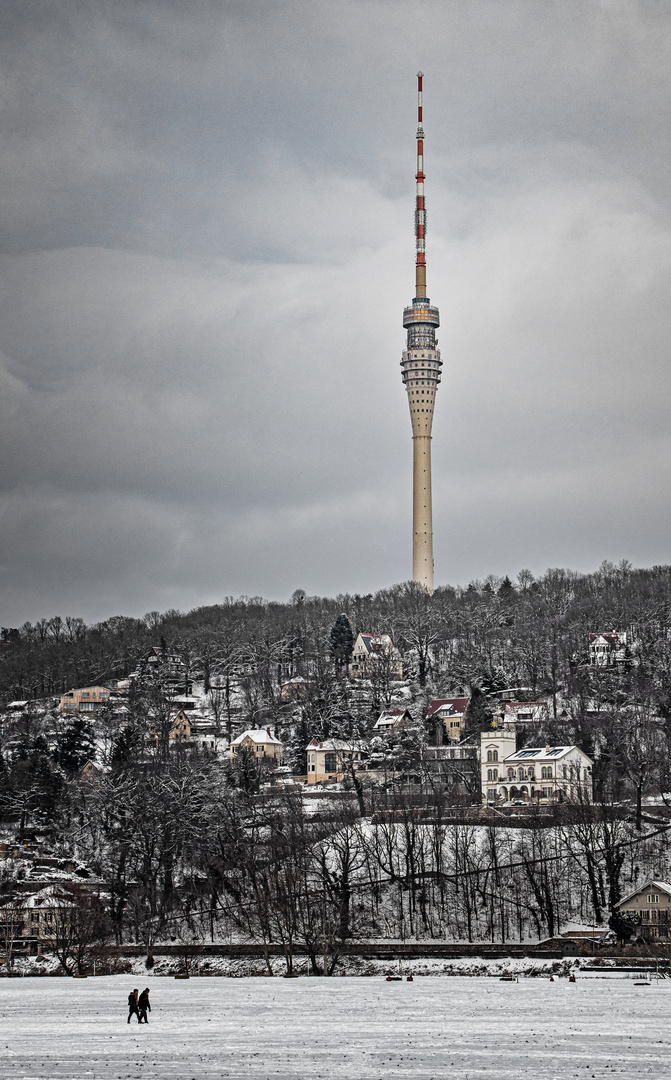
(420, 312)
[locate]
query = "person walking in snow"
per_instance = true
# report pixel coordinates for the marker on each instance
(144, 1005)
(132, 1005)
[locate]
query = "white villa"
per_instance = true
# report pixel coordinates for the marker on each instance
(547, 774)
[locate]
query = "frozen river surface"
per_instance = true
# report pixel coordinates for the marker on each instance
(353, 1028)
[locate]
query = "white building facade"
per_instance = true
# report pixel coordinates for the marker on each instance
(549, 774)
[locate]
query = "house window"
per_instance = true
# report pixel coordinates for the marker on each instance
(492, 774)
(653, 898)
(87, 706)
(330, 763)
(259, 749)
(520, 774)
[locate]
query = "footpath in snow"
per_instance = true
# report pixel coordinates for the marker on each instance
(354, 1028)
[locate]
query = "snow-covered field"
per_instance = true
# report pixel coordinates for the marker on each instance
(355, 1028)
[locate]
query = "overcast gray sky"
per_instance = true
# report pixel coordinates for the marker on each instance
(206, 237)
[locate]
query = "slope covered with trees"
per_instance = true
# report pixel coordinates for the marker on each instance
(188, 846)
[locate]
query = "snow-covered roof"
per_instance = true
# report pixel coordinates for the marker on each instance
(257, 735)
(524, 706)
(333, 744)
(376, 642)
(661, 886)
(391, 717)
(49, 897)
(17, 704)
(615, 638)
(544, 753)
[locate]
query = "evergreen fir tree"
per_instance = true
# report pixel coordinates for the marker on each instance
(75, 746)
(342, 642)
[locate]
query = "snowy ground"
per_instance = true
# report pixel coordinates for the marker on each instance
(354, 1028)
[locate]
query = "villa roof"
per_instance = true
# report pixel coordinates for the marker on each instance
(544, 753)
(375, 642)
(662, 886)
(453, 704)
(613, 637)
(257, 735)
(333, 744)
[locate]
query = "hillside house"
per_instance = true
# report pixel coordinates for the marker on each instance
(452, 712)
(257, 741)
(525, 712)
(374, 654)
(87, 700)
(296, 689)
(456, 766)
(331, 760)
(651, 902)
(35, 917)
(202, 732)
(168, 668)
(392, 720)
(179, 730)
(608, 649)
(549, 774)
(93, 771)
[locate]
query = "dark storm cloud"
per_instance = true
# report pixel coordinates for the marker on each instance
(205, 247)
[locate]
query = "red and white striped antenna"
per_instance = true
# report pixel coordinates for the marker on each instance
(420, 208)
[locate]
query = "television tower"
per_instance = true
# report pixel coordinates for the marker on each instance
(421, 366)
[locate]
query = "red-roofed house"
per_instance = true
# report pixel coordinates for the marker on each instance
(452, 711)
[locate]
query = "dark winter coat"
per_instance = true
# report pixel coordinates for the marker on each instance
(144, 1001)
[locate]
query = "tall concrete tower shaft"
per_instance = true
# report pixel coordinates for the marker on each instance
(421, 366)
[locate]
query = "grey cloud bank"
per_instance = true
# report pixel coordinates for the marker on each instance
(205, 248)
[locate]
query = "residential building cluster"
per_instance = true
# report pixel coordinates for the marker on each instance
(495, 766)
(476, 765)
